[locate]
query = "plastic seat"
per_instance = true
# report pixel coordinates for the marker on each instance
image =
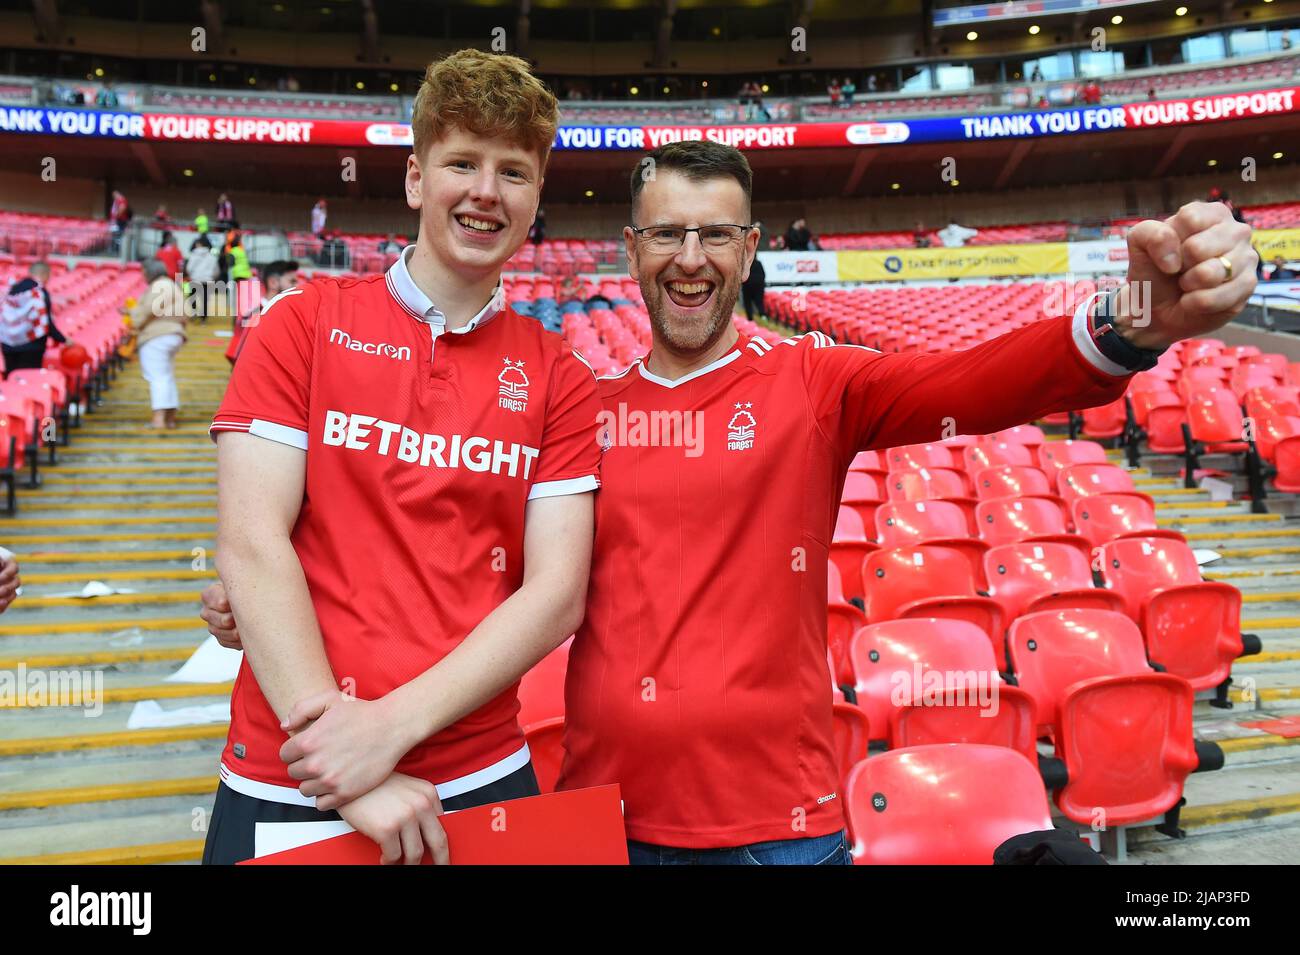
(934, 484)
(993, 454)
(849, 547)
(1085, 480)
(1106, 421)
(870, 462)
(1056, 456)
(852, 736)
(541, 689)
(1029, 577)
(1011, 480)
(891, 660)
(843, 620)
(546, 747)
(957, 715)
(950, 804)
(899, 523)
(863, 492)
(1214, 419)
(1192, 626)
(916, 456)
(1123, 731)
(926, 581)
(1008, 520)
(1031, 436)
(1102, 518)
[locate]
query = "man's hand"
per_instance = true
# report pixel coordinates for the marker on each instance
(401, 814)
(9, 582)
(342, 747)
(216, 614)
(1178, 283)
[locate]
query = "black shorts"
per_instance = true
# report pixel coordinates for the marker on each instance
(235, 816)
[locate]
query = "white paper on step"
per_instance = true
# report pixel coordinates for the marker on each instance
(1204, 556)
(1219, 490)
(149, 715)
(96, 588)
(210, 663)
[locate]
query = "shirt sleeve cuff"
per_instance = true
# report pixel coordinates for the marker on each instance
(578, 485)
(1087, 347)
(283, 434)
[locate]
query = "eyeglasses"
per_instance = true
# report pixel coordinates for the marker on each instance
(669, 238)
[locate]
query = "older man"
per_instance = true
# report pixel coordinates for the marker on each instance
(698, 679)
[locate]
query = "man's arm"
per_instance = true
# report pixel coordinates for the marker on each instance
(1178, 287)
(259, 493)
(352, 746)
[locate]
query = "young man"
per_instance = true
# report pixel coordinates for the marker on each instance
(698, 679)
(405, 478)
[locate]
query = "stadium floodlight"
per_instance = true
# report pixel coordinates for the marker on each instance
(972, 36)
(895, 185)
(187, 172)
(633, 90)
(589, 193)
(1211, 162)
(766, 89)
(1277, 155)
(1033, 30)
(1117, 19)
(1180, 12)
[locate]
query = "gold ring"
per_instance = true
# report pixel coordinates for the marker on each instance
(1227, 267)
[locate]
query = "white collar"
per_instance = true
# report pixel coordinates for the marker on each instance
(421, 307)
(726, 359)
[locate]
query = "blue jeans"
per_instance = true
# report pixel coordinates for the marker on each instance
(818, 850)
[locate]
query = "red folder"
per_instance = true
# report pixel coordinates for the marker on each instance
(576, 827)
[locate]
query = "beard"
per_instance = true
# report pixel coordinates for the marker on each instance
(690, 336)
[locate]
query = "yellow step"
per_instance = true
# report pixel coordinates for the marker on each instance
(107, 556)
(108, 792)
(100, 626)
(133, 694)
(187, 850)
(155, 737)
(97, 658)
(143, 597)
(77, 578)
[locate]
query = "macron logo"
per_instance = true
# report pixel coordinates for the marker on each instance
(340, 337)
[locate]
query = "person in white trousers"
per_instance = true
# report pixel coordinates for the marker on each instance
(159, 321)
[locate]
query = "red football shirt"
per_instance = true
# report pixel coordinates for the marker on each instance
(423, 449)
(698, 680)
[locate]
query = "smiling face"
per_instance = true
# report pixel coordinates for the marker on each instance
(690, 295)
(476, 198)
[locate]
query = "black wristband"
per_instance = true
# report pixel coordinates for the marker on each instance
(1111, 344)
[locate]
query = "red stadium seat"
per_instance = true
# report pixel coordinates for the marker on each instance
(1085, 480)
(852, 735)
(546, 747)
(1192, 626)
(930, 522)
(1008, 520)
(849, 546)
(890, 661)
(916, 456)
(1106, 421)
(1105, 517)
(1029, 577)
(863, 492)
(1009, 720)
(1027, 434)
(843, 620)
(951, 804)
(1123, 732)
(1012, 480)
(1215, 420)
(1056, 456)
(994, 454)
(926, 581)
